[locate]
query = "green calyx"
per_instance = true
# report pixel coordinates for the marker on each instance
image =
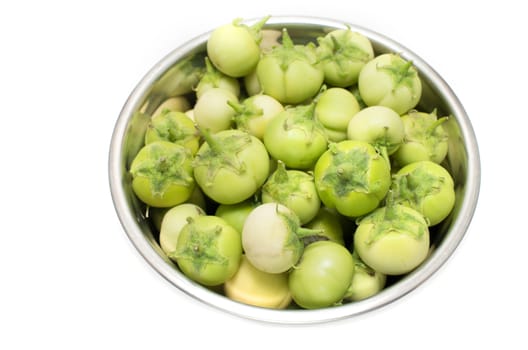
(394, 218)
(401, 71)
(163, 166)
(212, 75)
(359, 264)
(426, 128)
(297, 234)
(222, 153)
(340, 49)
(255, 30)
(283, 184)
(167, 126)
(303, 117)
(348, 172)
(245, 112)
(430, 133)
(288, 52)
(201, 247)
(383, 145)
(411, 188)
(433, 127)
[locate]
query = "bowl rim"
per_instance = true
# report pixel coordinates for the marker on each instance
(407, 284)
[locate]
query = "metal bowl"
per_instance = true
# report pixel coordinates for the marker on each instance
(175, 74)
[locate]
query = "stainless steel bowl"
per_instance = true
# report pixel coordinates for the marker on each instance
(176, 73)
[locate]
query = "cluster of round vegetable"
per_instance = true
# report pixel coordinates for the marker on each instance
(301, 175)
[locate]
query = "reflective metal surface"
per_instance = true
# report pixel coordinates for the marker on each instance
(176, 73)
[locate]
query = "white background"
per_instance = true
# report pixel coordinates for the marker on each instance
(71, 279)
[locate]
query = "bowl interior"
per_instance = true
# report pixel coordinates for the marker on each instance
(176, 74)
